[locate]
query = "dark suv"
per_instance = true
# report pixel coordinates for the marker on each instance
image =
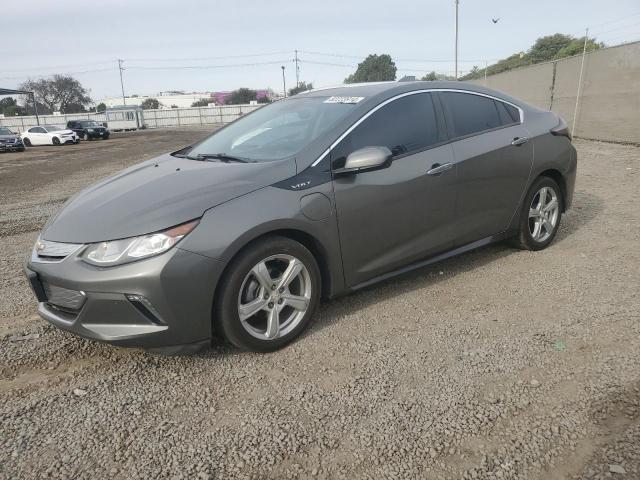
(88, 129)
(10, 141)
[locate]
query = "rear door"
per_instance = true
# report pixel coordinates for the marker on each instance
(494, 159)
(391, 217)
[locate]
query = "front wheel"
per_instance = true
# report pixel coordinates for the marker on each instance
(56, 141)
(27, 142)
(269, 295)
(540, 216)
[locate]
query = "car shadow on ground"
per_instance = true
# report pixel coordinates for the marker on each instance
(586, 207)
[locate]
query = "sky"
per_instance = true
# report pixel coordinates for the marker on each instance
(245, 43)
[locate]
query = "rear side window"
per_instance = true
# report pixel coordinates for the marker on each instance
(468, 114)
(508, 114)
(405, 125)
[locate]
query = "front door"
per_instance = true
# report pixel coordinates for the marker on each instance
(394, 216)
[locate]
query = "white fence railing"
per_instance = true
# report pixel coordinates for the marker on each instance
(170, 117)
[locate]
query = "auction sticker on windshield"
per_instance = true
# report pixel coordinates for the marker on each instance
(343, 99)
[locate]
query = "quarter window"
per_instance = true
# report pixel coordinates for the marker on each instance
(404, 126)
(468, 114)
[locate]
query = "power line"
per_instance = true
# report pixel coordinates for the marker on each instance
(223, 57)
(61, 73)
(204, 67)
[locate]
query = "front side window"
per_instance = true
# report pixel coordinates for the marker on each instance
(5, 131)
(37, 130)
(406, 125)
(275, 131)
(468, 113)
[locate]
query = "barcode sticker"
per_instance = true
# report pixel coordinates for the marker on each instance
(343, 99)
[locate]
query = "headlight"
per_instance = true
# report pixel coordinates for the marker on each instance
(117, 252)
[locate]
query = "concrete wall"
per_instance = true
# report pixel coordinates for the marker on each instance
(609, 103)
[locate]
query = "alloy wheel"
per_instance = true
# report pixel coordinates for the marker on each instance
(543, 214)
(274, 297)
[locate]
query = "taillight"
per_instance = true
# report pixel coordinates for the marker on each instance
(561, 130)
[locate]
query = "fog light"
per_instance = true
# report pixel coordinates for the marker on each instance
(145, 308)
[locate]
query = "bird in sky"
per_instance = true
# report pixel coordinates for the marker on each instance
(495, 20)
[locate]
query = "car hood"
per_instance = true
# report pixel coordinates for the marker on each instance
(158, 194)
(8, 137)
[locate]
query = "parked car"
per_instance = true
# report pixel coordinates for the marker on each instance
(48, 135)
(88, 129)
(10, 141)
(314, 196)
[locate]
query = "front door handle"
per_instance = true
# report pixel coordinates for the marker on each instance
(519, 141)
(437, 169)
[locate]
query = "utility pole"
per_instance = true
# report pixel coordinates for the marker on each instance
(121, 68)
(297, 70)
(575, 112)
(456, 48)
(486, 66)
(284, 84)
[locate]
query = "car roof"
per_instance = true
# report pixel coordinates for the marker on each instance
(380, 90)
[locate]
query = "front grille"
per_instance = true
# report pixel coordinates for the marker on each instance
(63, 298)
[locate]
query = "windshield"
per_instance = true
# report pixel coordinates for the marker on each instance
(53, 128)
(275, 131)
(90, 123)
(5, 131)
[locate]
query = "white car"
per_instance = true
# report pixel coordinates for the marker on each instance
(48, 135)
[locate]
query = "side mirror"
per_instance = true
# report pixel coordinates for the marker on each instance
(367, 158)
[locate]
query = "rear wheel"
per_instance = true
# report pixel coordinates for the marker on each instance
(269, 295)
(540, 216)
(56, 141)
(27, 142)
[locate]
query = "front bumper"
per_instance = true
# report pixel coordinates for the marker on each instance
(104, 134)
(11, 147)
(158, 303)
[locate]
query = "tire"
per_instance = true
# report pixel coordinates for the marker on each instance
(536, 231)
(56, 141)
(292, 303)
(27, 142)
(106, 136)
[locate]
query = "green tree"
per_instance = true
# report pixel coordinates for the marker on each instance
(101, 107)
(241, 96)
(302, 87)
(374, 68)
(62, 93)
(547, 48)
(9, 107)
(431, 76)
(576, 46)
(150, 104)
(203, 102)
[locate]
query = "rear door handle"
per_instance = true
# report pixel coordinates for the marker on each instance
(519, 141)
(437, 169)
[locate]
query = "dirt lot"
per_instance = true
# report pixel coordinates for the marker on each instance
(496, 364)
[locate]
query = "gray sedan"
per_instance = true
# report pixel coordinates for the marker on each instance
(315, 196)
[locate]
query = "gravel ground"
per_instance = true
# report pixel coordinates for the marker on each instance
(497, 364)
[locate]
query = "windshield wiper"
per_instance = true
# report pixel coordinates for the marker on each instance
(223, 157)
